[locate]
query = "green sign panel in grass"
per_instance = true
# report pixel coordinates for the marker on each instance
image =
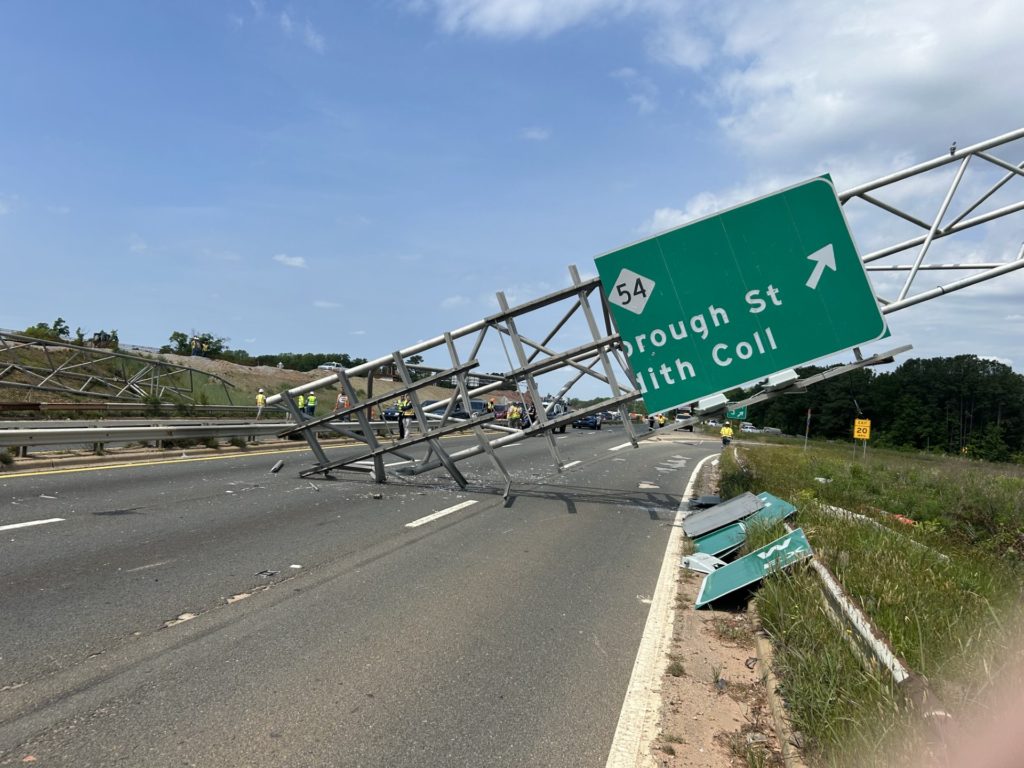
(740, 295)
(730, 538)
(750, 569)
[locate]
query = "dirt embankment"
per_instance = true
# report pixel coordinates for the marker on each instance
(715, 708)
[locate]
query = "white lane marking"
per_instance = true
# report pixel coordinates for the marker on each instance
(572, 464)
(638, 720)
(151, 565)
(12, 526)
(620, 447)
(442, 513)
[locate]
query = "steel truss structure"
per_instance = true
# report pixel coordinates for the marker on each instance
(961, 209)
(565, 316)
(70, 369)
(600, 357)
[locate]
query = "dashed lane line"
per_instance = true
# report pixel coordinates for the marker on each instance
(442, 513)
(12, 526)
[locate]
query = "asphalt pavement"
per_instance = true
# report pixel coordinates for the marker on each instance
(210, 612)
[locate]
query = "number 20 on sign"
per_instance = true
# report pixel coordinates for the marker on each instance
(862, 429)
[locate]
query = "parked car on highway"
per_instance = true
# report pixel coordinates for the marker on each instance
(748, 428)
(590, 421)
(684, 415)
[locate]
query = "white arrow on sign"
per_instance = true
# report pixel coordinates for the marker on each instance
(823, 257)
(772, 550)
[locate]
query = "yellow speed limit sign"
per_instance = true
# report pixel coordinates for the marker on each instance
(862, 429)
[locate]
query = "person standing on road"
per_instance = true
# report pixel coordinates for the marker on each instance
(300, 403)
(261, 401)
(311, 404)
(341, 405)
(403, 405)
(726, 433)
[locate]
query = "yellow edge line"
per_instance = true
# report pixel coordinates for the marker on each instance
(68, 470)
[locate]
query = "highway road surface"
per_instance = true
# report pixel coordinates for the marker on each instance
(207, 612)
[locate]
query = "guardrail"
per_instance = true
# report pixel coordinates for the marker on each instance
(61, 434)
(132, 407)
(151, 422)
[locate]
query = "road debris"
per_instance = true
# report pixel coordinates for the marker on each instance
(277, 467)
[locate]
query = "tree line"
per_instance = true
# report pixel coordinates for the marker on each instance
(963, 404)
(216, 347)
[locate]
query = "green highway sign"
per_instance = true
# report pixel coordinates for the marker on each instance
(736, 413)
(740, 295)
(750, 569)
(730, 538)
(774, 507)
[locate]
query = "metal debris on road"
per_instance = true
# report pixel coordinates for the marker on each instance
(277, 467)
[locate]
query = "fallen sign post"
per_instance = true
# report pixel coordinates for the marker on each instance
(740, 295)
(750, 569)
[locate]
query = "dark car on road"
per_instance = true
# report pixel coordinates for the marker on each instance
(590, 421)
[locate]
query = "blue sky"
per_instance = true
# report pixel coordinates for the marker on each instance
(356, 176)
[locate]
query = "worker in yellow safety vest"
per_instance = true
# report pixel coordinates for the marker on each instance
(300, 403)
(515, 416)
(311, 404)
(726, 433)
(261, 401)
(404, 407)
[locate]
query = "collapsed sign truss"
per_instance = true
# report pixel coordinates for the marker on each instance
(593, 352)
(556, 334)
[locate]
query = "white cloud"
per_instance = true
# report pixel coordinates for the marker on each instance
(454, 301)
(357, 333)
(642, 93)
(1004, 360)
(321, 304)
(535, 134)
(808, 80)
(290, 261)
(136, 244)
(1014, 318)
(4, 208)
(523, 18)
(313, 39)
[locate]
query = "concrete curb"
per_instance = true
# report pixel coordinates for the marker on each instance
(778, 708)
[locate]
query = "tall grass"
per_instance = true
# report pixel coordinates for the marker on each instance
(944, 591)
